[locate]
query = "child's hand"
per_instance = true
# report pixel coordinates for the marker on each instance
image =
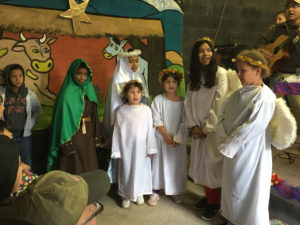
(168, 139)
(25, 166)
(196, 132)
(175, 144)
(149, 155)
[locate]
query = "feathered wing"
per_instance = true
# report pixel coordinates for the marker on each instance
(234, 82)
(283, 126)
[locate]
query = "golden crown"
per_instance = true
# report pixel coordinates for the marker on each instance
(206, 39)
(252, 62)
(173, 71)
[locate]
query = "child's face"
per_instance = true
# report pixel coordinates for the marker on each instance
(81, 75)
(1, 108)
(16, 78)
(249, 75)
(280, 18)
(133, 63)
(134, 96)
(204, 54)
(170, 85)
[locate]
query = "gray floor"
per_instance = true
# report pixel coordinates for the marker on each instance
(168, 213)
(165, 213)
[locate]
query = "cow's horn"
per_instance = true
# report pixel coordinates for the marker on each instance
(23, 38)
(43, 39)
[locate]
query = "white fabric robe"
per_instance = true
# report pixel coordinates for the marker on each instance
(247, 165)
(169, 165)
(134, 139)
(113, 101)
(202, 108)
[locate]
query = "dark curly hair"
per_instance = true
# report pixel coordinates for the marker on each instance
(196, 69)
(128, 85)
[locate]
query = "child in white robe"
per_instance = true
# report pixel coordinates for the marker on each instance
(134, 143)
(204, 97)
(169, 165)
(246, 144)
(127, 69)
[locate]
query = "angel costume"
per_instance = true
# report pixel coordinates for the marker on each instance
(133, 140)
(122, 74)
(169, 165)
(248, 158)
(202, 108)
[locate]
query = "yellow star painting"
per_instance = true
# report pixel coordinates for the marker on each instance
(77, 14)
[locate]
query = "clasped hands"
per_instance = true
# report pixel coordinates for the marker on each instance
(198, 133)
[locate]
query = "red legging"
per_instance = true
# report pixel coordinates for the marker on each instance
(213, 195)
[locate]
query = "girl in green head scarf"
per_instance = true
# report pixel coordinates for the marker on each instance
(76, 127)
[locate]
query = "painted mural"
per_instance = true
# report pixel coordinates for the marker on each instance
(97, 32)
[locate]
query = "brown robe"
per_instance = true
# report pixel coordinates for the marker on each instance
(79, 154)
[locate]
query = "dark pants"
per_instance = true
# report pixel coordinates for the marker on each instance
(25, 145)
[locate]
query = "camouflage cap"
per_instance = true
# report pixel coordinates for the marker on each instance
(59, 198)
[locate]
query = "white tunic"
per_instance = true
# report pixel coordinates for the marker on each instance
(169, 165)
(134, 139)
(113, 101)
(122, 74)
(248, 158)
(202, 108)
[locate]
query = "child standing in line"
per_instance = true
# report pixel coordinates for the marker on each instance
(133, 143)
(22, 109)
(127, 69)
(204, 97)
(169, 165)
(244, 122)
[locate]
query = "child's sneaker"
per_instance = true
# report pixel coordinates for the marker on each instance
(201, 204)
(177, 199)
(153, 199)
(125, 203)
(140, 200)
(211, 211)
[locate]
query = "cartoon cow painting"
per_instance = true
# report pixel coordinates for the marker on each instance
(115, 46)
(33, 54)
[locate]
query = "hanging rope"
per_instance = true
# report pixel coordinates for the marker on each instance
(221, 19)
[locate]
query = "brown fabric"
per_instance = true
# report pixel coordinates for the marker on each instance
(79, 154)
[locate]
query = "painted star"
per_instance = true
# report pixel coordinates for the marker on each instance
(76, 13)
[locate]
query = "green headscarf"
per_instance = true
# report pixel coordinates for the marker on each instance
(68, 109)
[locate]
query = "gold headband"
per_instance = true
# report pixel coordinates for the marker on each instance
(206, 39)
(131, 82)
(173, 71)
(252, 62)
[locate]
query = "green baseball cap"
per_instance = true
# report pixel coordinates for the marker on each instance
(59, 198)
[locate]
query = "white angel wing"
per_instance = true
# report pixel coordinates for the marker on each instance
(283, 125)
(234, 82)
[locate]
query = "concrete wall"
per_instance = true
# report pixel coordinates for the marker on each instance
(243, 22)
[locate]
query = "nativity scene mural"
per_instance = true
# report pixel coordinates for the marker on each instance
(93, 30)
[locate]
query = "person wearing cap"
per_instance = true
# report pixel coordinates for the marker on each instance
(57, 198)
(127, 69)
(76, 128)
(286, 69)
